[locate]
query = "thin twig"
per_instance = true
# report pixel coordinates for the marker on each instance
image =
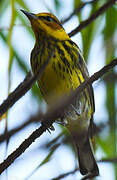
(55, 112)
(109, 160)
(23, 87)
(88, 21)
(78, 9)
(66, 174)
(94, 131)
(10, 133)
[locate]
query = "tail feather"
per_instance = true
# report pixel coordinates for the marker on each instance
(87, 162)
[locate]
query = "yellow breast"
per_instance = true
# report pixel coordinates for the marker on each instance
(61, 75)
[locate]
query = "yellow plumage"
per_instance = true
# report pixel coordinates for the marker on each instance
(61, 75)
(64, 73)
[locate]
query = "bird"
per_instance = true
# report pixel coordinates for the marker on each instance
(63, 74)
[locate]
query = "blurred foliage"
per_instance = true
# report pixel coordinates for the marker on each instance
(15, 54)
(106, 26)
(109, 32)
(57, 4)
(110, 46)
(89, 33)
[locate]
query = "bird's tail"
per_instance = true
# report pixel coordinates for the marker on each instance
(87, 162)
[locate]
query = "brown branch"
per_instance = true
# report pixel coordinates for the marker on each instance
(21, 148)
(78, 9)
(10, 133)
(23, 87)
(99, 12)
(49, 118)
(109, 160)
(13, 97)
(55, 112)
(94, 131)
(66, 174)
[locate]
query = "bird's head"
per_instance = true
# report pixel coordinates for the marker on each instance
(48, 24)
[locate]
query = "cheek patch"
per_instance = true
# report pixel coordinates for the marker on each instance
(53, 25)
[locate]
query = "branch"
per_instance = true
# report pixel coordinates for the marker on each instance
(66, 174)
(23, 87)
(55, 112)
(85, 23)
(10, 133)
(110, 160)
(77, 10)
(94, 131)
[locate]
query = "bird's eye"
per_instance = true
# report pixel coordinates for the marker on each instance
(48, 18)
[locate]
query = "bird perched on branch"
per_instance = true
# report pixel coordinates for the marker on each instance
(64, 73)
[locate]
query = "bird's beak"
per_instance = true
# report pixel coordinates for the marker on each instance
(29, 15)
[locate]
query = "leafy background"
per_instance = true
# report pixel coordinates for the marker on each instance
(53, 154)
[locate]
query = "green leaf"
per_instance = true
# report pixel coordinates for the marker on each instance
(111, 22)
(46, 160)
(109, 33)
(36, 92)
(21, 64)
(57, 4)
(3, 6)
(13, 17)
(77, 3)
(54, 140)
(89, 33)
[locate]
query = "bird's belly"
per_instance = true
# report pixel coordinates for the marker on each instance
(78, 114)
(77, 123)
(54, 83)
